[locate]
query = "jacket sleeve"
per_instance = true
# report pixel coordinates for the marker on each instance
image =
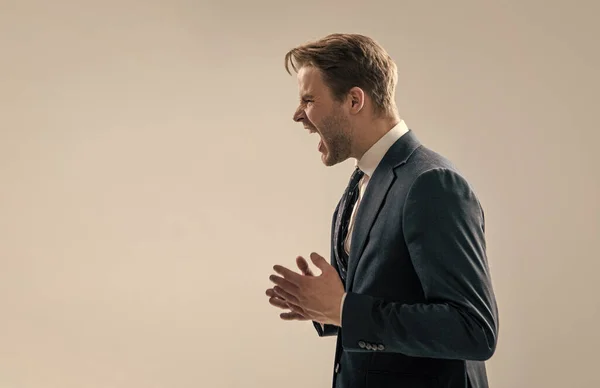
(325, 330)
(443, 226)
(329, 330)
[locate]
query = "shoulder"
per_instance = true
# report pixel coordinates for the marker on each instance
(424, 160)
(434, 176)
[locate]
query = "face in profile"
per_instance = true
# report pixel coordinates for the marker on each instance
(321, 114)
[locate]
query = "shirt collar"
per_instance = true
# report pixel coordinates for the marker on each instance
(370, 160)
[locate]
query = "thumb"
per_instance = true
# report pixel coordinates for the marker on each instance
(303, 266)
(319, 261)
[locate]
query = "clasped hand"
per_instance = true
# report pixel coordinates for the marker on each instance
(306, 296)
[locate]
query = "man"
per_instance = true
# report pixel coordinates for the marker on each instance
(407, 291)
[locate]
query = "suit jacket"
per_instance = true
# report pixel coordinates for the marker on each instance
(420, 310)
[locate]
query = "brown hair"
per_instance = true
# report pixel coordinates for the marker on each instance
(349, 60)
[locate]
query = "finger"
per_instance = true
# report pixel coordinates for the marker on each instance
(319, 261)
(270, 293)
(278, 302)
(292, 316)
(285, 295)
(297, 309)
(303, 266)
(285, 284)
(275, 299)
(289, 275)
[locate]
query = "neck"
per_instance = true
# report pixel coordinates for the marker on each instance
(366, 136)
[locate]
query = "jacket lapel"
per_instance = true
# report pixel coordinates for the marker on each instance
(374, 196)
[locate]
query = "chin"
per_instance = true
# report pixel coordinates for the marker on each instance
(325, 155)
(327, 160)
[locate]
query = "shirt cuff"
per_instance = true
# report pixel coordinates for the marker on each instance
(342, 307)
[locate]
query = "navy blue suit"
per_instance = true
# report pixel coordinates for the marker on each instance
(420, 310)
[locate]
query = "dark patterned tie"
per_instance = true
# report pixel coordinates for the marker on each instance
(342, 222)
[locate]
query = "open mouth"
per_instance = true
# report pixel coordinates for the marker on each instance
(320, 146)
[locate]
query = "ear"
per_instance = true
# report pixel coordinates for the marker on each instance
(356, 97)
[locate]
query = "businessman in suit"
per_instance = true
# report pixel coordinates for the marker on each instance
(407, 289)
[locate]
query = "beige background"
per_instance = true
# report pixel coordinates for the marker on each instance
(151, 175)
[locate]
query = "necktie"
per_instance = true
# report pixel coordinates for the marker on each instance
(342, 221)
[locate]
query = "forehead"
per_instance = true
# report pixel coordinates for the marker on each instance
(310, 80)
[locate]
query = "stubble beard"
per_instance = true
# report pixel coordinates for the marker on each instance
(337, 140)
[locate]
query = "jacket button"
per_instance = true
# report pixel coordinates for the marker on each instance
(380, 347)
(362, 344)
(337, 367)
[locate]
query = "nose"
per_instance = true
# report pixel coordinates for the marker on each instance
(299, 115)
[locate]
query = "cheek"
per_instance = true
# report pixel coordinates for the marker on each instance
(312, 115)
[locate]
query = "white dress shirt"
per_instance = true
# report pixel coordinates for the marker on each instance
(367, 164)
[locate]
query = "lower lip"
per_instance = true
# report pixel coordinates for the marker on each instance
(320, 146)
